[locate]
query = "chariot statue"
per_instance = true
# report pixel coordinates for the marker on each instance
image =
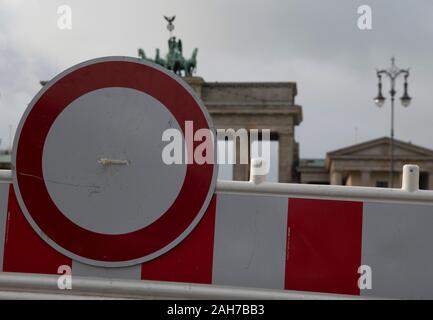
(174, 59)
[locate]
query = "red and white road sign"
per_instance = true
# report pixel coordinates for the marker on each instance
(136, 207)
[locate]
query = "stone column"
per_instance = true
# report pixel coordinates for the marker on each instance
(285, 160)
(398, 180)
(336, 178)
(365, 178)
(430, 180)
(241, 172)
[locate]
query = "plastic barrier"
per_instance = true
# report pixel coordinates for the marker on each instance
(272, 236)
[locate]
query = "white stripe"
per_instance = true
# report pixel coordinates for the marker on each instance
(85, 270)
(397, 244)
(4, 195)
(250, 241)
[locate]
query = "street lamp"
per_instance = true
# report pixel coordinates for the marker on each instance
(380, 99)
(392, 73)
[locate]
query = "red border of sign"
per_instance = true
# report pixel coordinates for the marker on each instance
(29, 149)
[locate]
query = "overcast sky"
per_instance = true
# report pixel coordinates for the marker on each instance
(315, 43)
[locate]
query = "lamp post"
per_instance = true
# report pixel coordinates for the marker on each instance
(392, 73)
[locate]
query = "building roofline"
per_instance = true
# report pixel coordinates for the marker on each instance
(397, 142)
(269, 84)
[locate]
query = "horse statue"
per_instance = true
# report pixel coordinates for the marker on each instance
(141, 54)
(174, 59)
(191, 64)
(159, 60)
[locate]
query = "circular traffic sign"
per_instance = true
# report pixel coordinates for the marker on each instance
(88, 168)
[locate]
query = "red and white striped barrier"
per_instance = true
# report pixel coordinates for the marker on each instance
(98, 213)
(276, 236)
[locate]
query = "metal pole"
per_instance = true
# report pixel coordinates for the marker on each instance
(391, 169)
(33, 286)
(392, 92)
(392, 73)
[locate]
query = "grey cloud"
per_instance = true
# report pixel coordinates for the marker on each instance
(316, 43)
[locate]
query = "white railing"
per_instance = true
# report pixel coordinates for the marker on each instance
(259, 186)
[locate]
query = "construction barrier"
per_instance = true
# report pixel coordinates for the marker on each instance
(254, 236)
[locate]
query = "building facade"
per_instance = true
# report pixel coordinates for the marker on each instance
(368, 164)
(256, 105)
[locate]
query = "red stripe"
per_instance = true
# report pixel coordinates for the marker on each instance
(189, 261)
(324, 246)
(24, 250)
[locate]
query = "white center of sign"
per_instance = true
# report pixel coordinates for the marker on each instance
(135, 189)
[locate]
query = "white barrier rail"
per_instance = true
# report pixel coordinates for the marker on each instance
(409, 192)
(325, 192)
(32, 286)
(5, 176)
(258, 185)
